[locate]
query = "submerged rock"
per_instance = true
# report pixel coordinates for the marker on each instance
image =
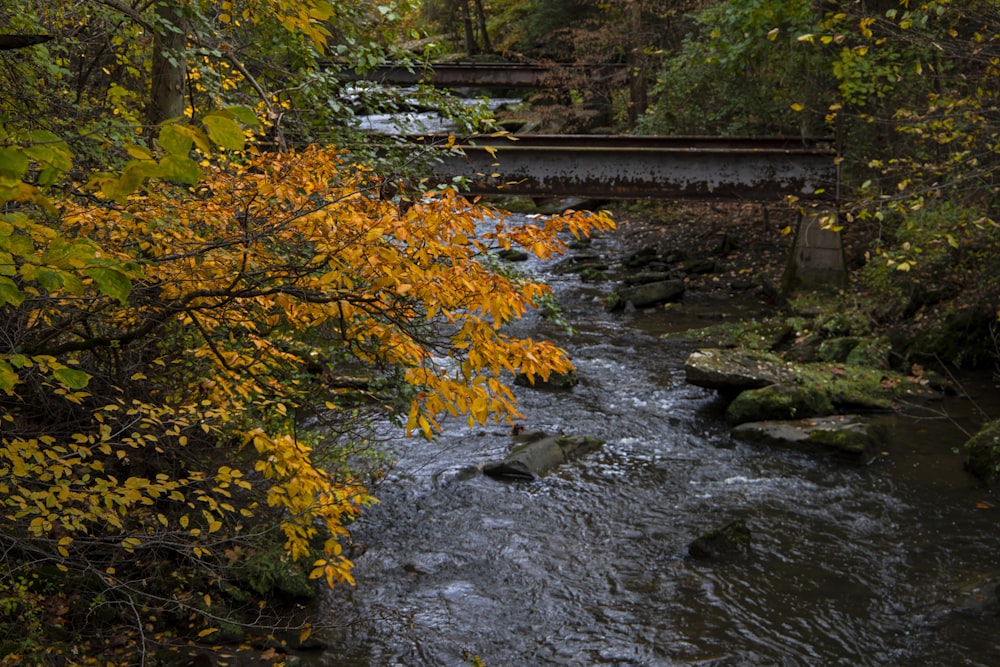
(540, 455)
(846, 436)
(728, 542)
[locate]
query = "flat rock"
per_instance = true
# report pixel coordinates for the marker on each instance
(647, 294)
(848, 437)
(735, 370)
(540, 455)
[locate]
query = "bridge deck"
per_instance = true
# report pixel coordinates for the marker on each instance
(630, 167)
(495, 75)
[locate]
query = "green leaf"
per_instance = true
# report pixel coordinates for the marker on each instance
(9, 292)
(70, 378)
(245, 115)
(7, 266)
(180, 169)
(199, 138)
(175, 141)
(8, 377)
(139, 152)
(49, 279)
(13, 163)
(50, 150)
(112, 282)
(225, 132)
(135, 174)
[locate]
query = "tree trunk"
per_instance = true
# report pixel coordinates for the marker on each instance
(169, 71)
(471, 47)
(481, 16)
(636, 67)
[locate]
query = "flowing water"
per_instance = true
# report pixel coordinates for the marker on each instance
(876, 565)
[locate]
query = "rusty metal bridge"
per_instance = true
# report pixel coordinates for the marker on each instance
(493, 75)
(636, 167)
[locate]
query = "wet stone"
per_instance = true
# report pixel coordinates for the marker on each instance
(726, 543)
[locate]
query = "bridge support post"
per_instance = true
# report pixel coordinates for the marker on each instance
(817, 259)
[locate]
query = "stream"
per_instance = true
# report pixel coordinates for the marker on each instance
(877, 565)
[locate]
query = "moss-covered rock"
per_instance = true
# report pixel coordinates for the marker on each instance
(760, 334)
(733, 371)
(646, 294)
(847, 437)
(513, 255)
(555, 381)
(870, 353)
(779, 401)
(984, 453)
(838, 349)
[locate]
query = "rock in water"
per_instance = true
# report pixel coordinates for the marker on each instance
(647, 294)
(735, 370)
(726, 543)
(849, 437)
(984, 453)
(536, 458)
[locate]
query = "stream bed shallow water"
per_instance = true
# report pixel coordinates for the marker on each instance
(876, 565)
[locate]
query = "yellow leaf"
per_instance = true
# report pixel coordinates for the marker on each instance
(772, 34)
(787, 230)
(207, 631)
(797, 107)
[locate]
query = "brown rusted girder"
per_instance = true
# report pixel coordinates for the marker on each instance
(494, 75)
(630, 167)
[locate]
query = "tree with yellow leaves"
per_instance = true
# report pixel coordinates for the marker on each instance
(194, 335)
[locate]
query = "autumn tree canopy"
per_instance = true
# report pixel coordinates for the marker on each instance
(202, 314)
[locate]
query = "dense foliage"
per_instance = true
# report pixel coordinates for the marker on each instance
(202, 315)
(908, 91)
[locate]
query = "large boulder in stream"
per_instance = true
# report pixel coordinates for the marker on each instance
(539, 454)
(646, 294)
(554, 382)
(779, 401)
(847, 437)
(734, 370)
(984, 453)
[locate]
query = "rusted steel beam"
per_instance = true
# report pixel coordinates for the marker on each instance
(609, 167)
(499, 75)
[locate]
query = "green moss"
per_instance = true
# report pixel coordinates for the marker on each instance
(870, 353)
(765, 334)
(984, 453)
(854, 443)
(779, 401)
(838, 349)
